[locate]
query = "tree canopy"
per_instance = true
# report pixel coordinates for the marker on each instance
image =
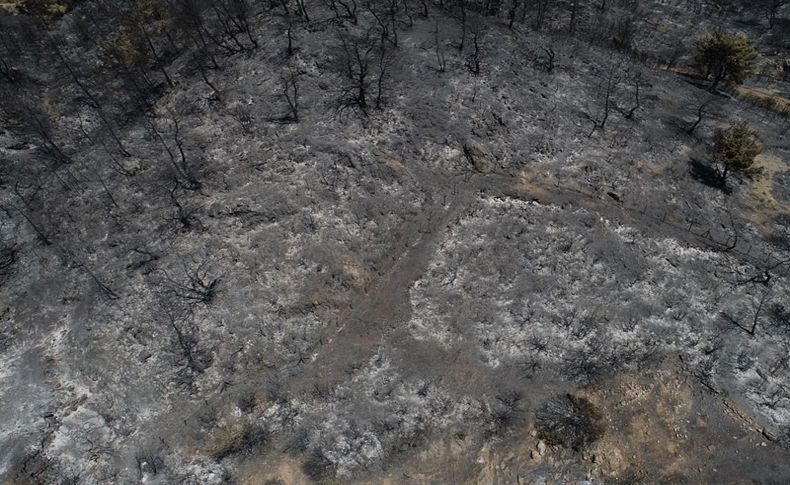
(736, 147)
(725, 57)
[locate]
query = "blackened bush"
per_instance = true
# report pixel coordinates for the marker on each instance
(317, 466)
(505, 410)
(8, 256)
(568, 421)
(623, 36)
(150, 461)
(247, 402)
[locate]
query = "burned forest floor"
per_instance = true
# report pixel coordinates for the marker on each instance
(511, 264)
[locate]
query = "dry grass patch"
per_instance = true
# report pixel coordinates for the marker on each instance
(766, 98)
(760, 205)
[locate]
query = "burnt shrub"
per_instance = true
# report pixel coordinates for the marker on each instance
(505, 410)
(317, 466)
(247, 402)
(568, 421)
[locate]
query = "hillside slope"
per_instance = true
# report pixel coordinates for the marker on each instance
(508, 264)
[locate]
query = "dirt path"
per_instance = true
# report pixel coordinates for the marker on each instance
(385, 304)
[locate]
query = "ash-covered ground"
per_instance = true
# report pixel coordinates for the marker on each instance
(510, 265)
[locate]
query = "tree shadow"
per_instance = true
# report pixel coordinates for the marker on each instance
(707, 175)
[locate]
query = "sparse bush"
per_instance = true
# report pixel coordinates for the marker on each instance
(725, 57)
(735, 149)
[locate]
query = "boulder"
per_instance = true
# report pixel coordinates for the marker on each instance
(479, 156)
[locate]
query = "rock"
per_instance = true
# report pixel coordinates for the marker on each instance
(541, 447)
(479, 157)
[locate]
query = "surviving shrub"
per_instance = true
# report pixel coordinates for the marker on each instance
(244, 439)
(725, 57)
(46, 9)
(735, 149)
